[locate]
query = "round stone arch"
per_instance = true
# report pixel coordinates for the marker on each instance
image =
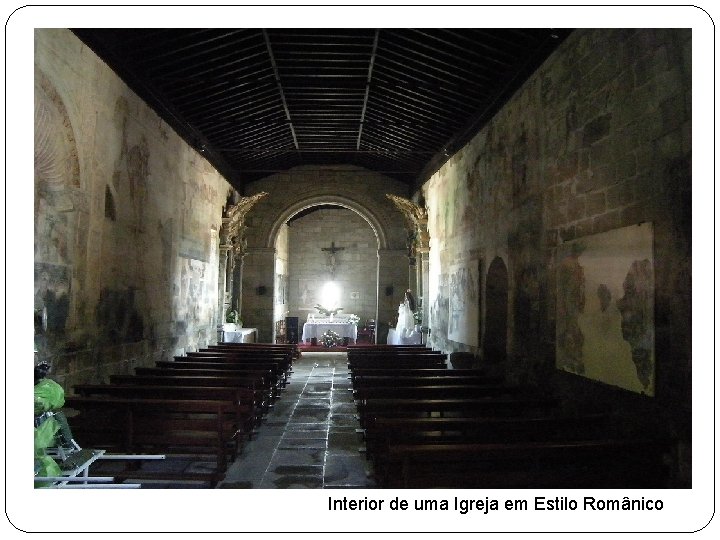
(299, 206)
(361, 210)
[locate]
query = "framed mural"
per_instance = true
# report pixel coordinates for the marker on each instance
(464, 317)
(605, 327)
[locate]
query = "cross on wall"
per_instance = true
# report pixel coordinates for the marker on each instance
(332, 261)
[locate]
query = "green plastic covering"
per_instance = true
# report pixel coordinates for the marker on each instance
(49, 395)
(46, 466)
(44, 438)
(45, 434)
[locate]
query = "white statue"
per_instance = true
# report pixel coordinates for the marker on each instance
(406, 315)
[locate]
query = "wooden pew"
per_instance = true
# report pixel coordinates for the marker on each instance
(257, 384)
(352, 349)
(166, 426)
(279, 365)
(395, 354)
(247, 414)
(627, 462)
(230, 356)
(368, 381)
(430, 361)
(371, 409)
(436, 391)
(385, 432)
(291, 348)
(277, 375)
(208, 370)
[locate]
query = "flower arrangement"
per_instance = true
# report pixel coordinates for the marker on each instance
(327, 312)
(232, 316)
(354, 319)
(330, 338)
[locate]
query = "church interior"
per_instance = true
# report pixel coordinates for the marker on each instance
(497, 221)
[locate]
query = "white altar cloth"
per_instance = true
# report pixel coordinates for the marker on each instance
(316, 329)
(242, 335)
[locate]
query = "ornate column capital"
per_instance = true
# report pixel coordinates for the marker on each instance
(416, 218)
(233, 229)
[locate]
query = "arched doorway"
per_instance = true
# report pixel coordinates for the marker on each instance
(326, 254)
(496, 298)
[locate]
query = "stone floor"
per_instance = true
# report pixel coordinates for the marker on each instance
(308, 439)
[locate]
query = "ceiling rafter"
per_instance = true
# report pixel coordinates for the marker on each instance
(258, 101)
(280, 88)
(367, 87)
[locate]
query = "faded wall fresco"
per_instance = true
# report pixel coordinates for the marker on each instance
(605, 308)
(463, 316)
(126, 221)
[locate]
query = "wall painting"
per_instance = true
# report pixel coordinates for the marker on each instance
(463, 320)
(605, 327)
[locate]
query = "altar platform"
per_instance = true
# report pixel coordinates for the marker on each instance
(315, 327)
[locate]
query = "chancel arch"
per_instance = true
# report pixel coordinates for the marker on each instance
(327, 253)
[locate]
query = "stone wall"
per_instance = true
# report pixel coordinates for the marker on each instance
(355, 268)
(126, 222)
(597, 139)
(303, 187)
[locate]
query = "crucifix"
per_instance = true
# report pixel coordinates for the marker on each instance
(332, 261)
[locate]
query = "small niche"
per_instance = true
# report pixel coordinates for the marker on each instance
(109, 204)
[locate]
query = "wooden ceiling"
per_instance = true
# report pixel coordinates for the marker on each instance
(260, 101)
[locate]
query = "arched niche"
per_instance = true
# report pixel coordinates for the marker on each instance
(496, 314)
(59, 201)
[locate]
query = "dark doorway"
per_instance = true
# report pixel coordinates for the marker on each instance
(496, 297)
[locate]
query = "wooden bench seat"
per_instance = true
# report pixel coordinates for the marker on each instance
(228, 356)
(593, 463)
(435, 391)
(385, 432)
(166, 426)
(257, 384)
(369, 381)
(183, 362)
(204, 370)
(280, 365)
(405, 362)
(380, 347)
(371, 409)
(247, 413)
(290, 348)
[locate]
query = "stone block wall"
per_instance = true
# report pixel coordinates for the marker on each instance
(356, 264)
(597, 139)
(126, 223)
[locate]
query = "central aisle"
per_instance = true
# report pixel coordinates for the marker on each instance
(308, 439)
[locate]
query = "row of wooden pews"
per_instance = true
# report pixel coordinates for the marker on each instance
(206, 403)
(428, 426)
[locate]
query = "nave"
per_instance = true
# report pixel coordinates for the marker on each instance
(308, 439)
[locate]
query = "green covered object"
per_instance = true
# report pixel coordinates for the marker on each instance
(46, 466)
(45, 435)
(49, 395)
(44, 438)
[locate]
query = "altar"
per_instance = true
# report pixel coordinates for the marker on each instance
(241, 335)
(316, 327)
